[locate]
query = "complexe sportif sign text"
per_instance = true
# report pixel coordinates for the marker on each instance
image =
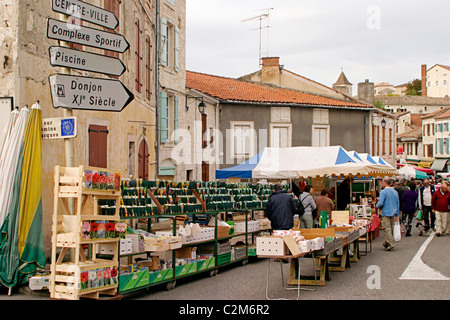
(79, 35)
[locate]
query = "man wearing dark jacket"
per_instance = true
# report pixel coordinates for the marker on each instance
(426, 192)
(280, 209)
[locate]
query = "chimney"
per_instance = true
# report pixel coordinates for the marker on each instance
(271, 70)
(366, 92)
(424, 80)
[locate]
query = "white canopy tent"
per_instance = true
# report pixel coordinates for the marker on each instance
(297, 162)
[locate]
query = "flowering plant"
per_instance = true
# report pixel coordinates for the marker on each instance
(84, 278)
(85, 230)
(95, 180)
(88, 179)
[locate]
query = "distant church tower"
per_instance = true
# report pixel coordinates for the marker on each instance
(343, 85)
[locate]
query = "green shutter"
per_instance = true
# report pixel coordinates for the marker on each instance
(441, 145)
(175, 119)
(164, 41)
(163, 118)
(177, 50)
(446, 145)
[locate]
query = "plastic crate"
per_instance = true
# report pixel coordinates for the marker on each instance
(223, 258)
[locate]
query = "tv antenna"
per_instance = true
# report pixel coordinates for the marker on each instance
(261, 17)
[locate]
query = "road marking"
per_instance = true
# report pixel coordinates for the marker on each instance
(418, 270)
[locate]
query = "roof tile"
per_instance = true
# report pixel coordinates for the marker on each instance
(229, 89)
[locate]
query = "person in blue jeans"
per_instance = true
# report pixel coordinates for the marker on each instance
(389, 203)
(426, 192)
(409, 206)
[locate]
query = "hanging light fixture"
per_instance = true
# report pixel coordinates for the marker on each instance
(202, 107)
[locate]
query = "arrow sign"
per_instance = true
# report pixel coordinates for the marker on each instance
(81, 60)
(86, 93)
(64, 31)
(86, 12)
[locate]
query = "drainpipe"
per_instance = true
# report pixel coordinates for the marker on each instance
(157, 86)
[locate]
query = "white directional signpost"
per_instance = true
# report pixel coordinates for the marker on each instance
(86, 12)
(64, 31)
(86, 93)
(75, 59)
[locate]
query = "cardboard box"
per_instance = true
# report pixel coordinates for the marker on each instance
(305, 245)
(106, 248)
(135, 238)
(38, 282)
(270, 246)
(187, 253)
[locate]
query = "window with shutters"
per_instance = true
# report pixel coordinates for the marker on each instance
(138, 57)
(164, 117)
(175, 119)
(242, 140)
(148, 69)
(280, 135)
(98, 146)
(164, 42)
(320, 136)
(390, 141)
(114, 7)
(176, 50)
(170, 45)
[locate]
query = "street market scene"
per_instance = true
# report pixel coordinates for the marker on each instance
(156, 150)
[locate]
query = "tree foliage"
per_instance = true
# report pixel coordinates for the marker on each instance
(414, 88)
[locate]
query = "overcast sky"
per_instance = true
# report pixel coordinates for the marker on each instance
(379, 40)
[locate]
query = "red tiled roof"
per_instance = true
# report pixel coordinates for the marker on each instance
(416, 120)
(229, 89)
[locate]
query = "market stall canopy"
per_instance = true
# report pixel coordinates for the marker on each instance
(439, 164)
(243, 170)
(282, 163)
(429, 171)
(408, 172)
(296, 162)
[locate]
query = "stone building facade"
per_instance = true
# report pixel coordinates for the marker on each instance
(128, 138)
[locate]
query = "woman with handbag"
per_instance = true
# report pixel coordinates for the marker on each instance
(409, 206)
(307, 200)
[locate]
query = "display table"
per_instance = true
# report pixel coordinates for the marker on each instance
(322, 265)
(343, 261)
(292, 258)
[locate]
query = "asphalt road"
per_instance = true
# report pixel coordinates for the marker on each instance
(376, 276)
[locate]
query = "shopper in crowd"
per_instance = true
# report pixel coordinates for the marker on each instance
(438, 184)
(306, 198)
(401, 188)
(343, 194)
(389, 204)
(280, 209)
(439, 205)
(425, 194)
(324, 203)
(409, 207)
(418, 185)
(331, 193)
